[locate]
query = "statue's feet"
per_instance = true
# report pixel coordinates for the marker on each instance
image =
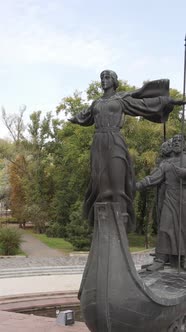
(174, 261)
(183, 264)
(156, 266)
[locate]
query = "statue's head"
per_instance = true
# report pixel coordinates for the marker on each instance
(166, 148)
(113, 76)
(177, 143)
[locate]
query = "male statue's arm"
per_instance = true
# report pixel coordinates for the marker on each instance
(156, 177)
(181, 172)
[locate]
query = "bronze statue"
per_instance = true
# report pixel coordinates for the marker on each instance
(112, 176)
(169, 173)
(165, 155)
(112, 295)
(166, 150)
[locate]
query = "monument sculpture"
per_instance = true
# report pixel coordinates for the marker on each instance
(165, 155)
(169, 173)
(113, 296)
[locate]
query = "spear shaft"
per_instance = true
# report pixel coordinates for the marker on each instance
(181, 163)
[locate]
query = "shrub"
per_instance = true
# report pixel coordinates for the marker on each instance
(78, 230)
(55, 230)
(10, 241)
(8, 220)
(37, 215)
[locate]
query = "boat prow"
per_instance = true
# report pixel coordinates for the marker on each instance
(114, 296)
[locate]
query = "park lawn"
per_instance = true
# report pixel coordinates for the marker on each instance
(54, 242)
(136, 242)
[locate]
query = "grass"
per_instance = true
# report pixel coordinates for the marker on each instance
(136, 242)
(53, 242)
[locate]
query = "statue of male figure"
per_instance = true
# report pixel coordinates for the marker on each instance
(165, 155)
(169, 173)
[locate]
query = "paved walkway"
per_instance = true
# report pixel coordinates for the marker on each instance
(12, 322)
(35, 248)
(23, 262)
(40, 284)
(40, 255)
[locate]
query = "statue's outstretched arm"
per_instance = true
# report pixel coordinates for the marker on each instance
(84, 118)
(156, 177)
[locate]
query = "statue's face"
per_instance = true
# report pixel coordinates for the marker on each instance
(177, 144)
(166, 148)
(106, 81)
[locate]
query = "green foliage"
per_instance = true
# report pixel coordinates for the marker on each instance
(10, 241)
(78, 231)
(37, 215)
(71, 175)
(72, 105)
(55, 229)
(8, 220)
(55, 243)
(137, 242)
(16, 172)
(94, 90)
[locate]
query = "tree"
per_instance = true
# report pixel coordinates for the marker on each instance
(17, 172)
(29, 174)
(14, 123)
(38, 186)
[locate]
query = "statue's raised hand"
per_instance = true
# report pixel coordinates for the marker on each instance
(139, 186)
(178, 102)
(72, 120)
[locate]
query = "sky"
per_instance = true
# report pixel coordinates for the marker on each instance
(50, 48)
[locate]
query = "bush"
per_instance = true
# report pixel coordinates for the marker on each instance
(78, 230)
(8, 220)
(55, 230)
(37, 215)
(10, 241)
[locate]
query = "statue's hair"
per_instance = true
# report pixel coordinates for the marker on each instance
(179, 135)
(113, 75)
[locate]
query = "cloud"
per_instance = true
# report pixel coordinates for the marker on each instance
(28, 38)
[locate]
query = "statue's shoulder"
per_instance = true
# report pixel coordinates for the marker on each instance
(122, 94)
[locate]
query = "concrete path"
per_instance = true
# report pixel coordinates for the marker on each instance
(35, 248)
(12, 322)
(39, 284)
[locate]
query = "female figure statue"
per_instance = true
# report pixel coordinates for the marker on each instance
(112, 176)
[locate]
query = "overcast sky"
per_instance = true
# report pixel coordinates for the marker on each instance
(50, 48)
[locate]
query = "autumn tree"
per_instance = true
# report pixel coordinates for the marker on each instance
(17, 173)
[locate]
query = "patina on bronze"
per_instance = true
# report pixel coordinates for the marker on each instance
(113, 297)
